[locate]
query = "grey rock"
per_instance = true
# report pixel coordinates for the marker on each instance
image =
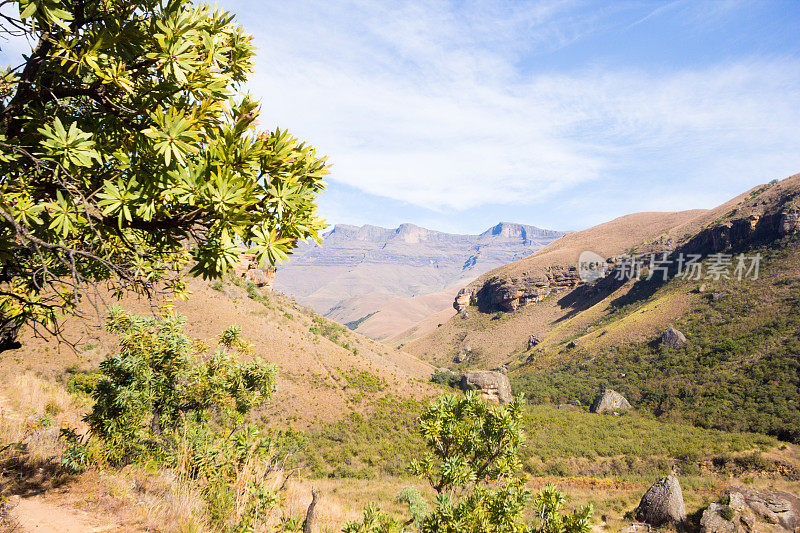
(712, 520)
(753, 510)
(461, 357)
(610, 401)
(533, 341)
(662, 503)
(494, 386)
(672, 338)
(790, 223)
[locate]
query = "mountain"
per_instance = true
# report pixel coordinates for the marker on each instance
(321, 365)
(359, 270)
(561, 339)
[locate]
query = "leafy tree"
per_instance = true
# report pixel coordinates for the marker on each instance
(128, 155)
(472, 462)
(160, 382)
(374, 521)
(548, 503)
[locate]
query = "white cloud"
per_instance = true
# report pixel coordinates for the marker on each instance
(427, 105)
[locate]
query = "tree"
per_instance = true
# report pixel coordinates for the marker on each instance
(128, 155)
(473, 465)
(160, 382)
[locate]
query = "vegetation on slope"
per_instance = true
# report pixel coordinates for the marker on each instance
(739, 370)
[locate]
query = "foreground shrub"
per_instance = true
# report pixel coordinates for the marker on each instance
(164, 400)
(158, 383)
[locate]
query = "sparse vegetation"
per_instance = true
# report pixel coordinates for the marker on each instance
(738, 372)
(353, 325)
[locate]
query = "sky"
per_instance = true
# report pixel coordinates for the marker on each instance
(560, 114)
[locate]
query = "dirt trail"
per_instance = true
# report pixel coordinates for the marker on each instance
(37, 515)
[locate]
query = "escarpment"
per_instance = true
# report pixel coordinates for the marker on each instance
(761, 215)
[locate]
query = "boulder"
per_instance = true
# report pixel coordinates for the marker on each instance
(462, 300)
(533, 341)
(494, 386)
(662, 503)
(672, 338)
(610, 401)
(261, 277)
(716, 296)
(752, 510)
(461, 356)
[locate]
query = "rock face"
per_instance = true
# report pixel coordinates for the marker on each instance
(752, 510)
(463, 300)
(672, 338)
(494, 386)
(790, 223)
(509, 294)
(610, 401)
(662, 503)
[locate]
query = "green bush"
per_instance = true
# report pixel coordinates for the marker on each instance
(84, 382)
(158, 382)
(446, 378)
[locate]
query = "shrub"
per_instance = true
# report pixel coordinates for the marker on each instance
(158, 382)
(446, 378)
(727, 512)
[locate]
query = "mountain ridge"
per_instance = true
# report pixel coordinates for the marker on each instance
(360, 268)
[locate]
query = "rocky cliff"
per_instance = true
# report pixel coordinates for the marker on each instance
(762, 214)
(359, 269)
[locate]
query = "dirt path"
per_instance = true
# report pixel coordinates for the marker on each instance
(37, 515)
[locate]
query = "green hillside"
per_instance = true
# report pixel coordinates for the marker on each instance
(739, 370)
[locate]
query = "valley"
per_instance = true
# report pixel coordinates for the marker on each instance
(718, 411)
(387, 280)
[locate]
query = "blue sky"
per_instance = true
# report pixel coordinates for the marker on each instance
(561, 114)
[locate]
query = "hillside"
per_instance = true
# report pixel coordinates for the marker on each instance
(322, 366)
(739, 368)
(363, 270)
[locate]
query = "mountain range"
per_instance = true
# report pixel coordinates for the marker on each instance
(382, 281)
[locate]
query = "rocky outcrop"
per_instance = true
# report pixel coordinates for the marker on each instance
(464, 299)
(493, 386)
(672, 338)
(533, 341)
(463, 354)
(744, 509)
(610, 401)
(790, 223)
(662, 503)
(509, 294)
(249, 269)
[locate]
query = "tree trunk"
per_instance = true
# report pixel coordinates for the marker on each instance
(8, 335)
(311, 515)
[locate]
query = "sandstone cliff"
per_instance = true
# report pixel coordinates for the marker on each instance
(762, 214)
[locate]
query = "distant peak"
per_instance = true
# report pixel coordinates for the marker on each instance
(411, 233)
(513, 230)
